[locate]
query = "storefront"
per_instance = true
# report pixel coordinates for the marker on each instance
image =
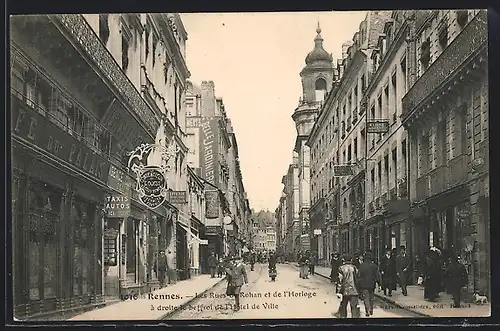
(396, 229)
(58, 188)
(374, 236)
(215, 240)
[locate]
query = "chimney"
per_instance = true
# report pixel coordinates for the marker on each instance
(345, 46)
(208, 98)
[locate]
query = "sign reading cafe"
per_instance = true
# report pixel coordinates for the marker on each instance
(150, 164)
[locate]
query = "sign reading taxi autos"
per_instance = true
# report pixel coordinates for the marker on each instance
(150, 163)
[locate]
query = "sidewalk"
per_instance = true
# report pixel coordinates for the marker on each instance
(155, 305)
(415, 302)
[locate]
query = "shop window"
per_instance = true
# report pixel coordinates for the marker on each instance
(82, 219)
(43, 241)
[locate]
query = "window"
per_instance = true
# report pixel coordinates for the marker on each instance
(425, 54)
(104, 28)
(125, 48)
(403, 158)
(380, 107)
(386, 110)
(372, 177)
(386, 172)
(424, 154)
(395, 166)
(147, 40)
(379, 177)
(349, 154)
(443, 33)
(394, 98)
(441, 156)
(462, 17)
(402, 64)
(320, 89)
(355, 149)
(363, 84)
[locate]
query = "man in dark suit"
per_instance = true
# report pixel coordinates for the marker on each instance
(368, 277)
(237, 277)
(403, 269)
(212, 264)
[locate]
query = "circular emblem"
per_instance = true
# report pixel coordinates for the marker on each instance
(152, 186)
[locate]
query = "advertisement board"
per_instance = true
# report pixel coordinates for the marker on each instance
(212, 204)
(209, 150)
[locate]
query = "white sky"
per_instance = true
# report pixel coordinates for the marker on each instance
(254, 60)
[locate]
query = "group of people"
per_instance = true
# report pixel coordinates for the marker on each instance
(307, 262)
(357, 277)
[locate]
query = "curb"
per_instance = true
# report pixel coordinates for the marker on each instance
(172, 312)
(392, 302)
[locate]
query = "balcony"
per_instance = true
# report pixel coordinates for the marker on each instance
(92, 47)
(437, 180)
(422, 186)
(458, 170)
(462, 49)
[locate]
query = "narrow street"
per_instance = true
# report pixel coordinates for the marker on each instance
(288, 297)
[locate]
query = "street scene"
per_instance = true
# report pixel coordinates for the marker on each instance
(214, 166)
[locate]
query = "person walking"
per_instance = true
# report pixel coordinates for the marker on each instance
(368, 278)
(220, 268)
(347, 288)
(403, 269)
(388, 272)
(161, 267)
(212, 264)
(303, 264)
(457, 278)
(432, 275)
(312, 262)
(171, 272)
(237, 277)
(335, 264)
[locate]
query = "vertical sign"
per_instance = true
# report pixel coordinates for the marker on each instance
(212, 204)
(209, 150)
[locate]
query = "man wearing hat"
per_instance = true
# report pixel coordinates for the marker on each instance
(237, 277)
(403, 262)
(347, 288)
(368, 278)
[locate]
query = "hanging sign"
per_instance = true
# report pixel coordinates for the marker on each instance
(342, 170)
(378, 126)
(150, 163)
(212, 204)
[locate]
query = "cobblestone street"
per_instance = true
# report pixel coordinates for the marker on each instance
(299, 298)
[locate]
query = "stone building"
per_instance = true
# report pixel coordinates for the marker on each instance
(317, 78)
(281, 225)
(446, 114)
(386, 182)
(213, 155)
(86, 90)
(338, 139)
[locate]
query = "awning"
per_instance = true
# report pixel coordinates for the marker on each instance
(191, 235)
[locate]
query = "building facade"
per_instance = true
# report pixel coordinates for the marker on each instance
(70, 142)
(338, 140)
(317, 79)
(386, 185)
(213, 155)
(445, 112)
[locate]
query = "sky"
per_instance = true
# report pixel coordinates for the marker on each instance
(254, 60)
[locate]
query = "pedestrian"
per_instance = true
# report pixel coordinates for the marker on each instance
(237, 277)
(303, 264)
(457, 278)
(312, 262)
(348, 288)
(335, 264)
(220, 267)
(388, 272)
(161, 267)
(432, 275)
(368, 278)
(171, 272)
(252, 260)
(403, 267)
(212, 264)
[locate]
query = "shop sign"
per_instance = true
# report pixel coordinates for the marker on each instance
(118, 180)
(212, 230)
(209, 151)
(342, 170)
(118, 205)
(177, 197)
(212, 204)
(38, 130)
(378, 126)
(150, 164)
(317, 232)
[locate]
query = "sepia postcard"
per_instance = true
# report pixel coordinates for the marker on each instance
(213, 166)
